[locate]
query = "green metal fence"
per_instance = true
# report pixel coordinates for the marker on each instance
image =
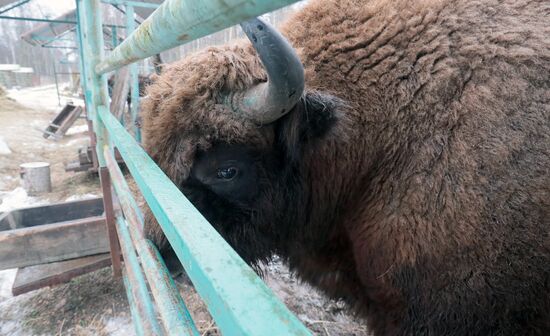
(238, 300)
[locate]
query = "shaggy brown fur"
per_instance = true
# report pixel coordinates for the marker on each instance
(412, 180)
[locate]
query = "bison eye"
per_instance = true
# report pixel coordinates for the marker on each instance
(226, 173)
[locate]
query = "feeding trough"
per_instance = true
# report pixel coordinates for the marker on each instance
(52, 244)
(63, 121)
(43, 234)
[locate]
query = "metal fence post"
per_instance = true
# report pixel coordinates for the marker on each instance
(93, 51)
(110, 220)
(134, 79)
(89, 20)
(114, 36)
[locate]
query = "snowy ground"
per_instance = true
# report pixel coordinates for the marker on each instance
(42, 97)
(95, 304)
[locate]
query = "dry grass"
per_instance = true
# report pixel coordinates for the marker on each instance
(80, 307)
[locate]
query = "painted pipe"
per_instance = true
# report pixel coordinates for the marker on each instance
(134, 80)
(89, 17)
(137, 321)
(175, 316)
(15, 5)
(131, 210)
(177, 22)
(221, 277)
(139, 292)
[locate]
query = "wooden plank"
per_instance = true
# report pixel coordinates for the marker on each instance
(76, 166)
(5, 222)
(35, 277)
(93, 143)
(121, 89)
(69, 120)
(53, 242)
(85, 155)
(52, 213)
(62, 114)
(63, 121)
(50, 130)
(8, 221)
(110, 220)
(48, 134)
(59, 212)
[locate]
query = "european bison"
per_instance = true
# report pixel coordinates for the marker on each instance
(405, 168)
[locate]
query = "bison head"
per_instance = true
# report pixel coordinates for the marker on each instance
(234, 128)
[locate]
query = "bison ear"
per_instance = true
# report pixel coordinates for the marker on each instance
(312, 117)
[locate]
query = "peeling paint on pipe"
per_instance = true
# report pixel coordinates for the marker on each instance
(177, 22)
(175, 316)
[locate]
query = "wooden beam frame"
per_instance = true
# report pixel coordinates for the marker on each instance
(53, 242)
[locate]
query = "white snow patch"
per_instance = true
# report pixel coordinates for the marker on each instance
(6, 282)
(77, 129)
(4, 149)
(42, 98)
(4, 180)
(12, 323)
(119, 326)
(12, 328)
(37, 124)
(17, 198)
(75, 141)
(80, 197)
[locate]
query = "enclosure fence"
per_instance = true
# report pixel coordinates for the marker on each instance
(238, 300)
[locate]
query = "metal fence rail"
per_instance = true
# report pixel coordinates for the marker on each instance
(177, 22)
(238, 300)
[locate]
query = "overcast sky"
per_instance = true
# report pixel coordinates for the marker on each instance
(56, 7)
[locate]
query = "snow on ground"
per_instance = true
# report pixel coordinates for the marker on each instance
(17, 198)
(81, 197)
(4, 149)
(77, 129)
(119, 326)
(78, 141)
(6, 281)
(13, 327)
(42, 97)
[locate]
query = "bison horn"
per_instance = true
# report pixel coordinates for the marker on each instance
(269, 101)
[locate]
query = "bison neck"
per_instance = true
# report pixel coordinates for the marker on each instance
(333, 182)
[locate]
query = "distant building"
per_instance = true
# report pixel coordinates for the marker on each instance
(7, 77)
(12, 75)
